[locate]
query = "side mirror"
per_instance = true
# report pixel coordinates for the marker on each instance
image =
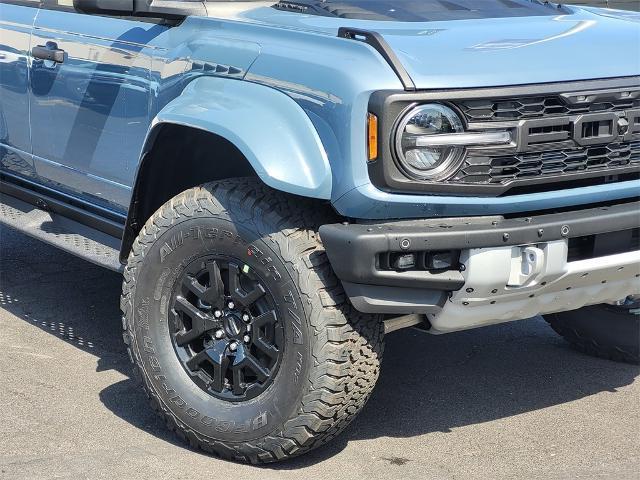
(169, 9)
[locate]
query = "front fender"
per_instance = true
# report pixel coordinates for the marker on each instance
(268, 127)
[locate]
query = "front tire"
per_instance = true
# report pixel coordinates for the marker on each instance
(223, 377)
(606, 331)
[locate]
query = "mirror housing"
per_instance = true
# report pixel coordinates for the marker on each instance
(169, 9)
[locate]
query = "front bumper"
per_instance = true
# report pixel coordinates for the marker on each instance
(507, 268)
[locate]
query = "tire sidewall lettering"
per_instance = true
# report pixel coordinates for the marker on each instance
(199, 411)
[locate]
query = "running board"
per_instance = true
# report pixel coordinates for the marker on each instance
(68, 235)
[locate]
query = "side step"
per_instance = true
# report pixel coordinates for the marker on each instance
(54, 229)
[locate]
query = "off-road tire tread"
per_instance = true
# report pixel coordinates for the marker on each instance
(584, 343)
(348, 345)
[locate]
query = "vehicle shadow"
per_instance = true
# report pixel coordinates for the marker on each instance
(427, 384)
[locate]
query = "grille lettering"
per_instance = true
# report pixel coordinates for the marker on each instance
(585, 130)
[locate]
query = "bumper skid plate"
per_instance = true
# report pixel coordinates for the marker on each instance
(557, 285)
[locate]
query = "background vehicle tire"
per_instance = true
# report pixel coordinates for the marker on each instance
(605, 331)
(317, 359)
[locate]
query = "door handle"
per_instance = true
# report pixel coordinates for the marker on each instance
(45, 53)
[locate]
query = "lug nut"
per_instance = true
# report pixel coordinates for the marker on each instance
(231, 305)
(217, 314)
(219, 334)
(246, 318)
(247, 339)
(233, 346)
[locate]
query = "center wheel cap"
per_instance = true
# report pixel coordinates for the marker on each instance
(233, 325)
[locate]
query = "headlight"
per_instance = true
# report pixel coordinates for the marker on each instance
(428, 161)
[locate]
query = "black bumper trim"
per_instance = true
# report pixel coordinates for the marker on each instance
(394, 300)
(353, 248)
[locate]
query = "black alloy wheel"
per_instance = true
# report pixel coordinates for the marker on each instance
(225, 329)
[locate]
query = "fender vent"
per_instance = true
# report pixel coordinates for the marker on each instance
(292, 7)
(215, 69)
(301, 7)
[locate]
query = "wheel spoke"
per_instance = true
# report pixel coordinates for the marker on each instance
(195, 287)
(253, 295)
(244, 359)
(183, 339)
(236, 291)
(269, 350)
(183, 305)
(234, 278)
(267, 318)
(238, 374)
(199, 321)
(253, 365)
(217, 357)
(215, 293)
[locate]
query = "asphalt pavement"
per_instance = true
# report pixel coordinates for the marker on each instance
(508, 401)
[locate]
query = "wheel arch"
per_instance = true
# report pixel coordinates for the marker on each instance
(218, 129)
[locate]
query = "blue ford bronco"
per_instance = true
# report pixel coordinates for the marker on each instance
(284, 183)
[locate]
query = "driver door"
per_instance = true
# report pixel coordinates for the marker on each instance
(90, 103)
(16, 22)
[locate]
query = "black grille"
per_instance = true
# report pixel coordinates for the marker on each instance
(563, 136)
(520, 108)
(504, 169)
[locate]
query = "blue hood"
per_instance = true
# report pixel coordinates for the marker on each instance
(576, 44)
(518, 51)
